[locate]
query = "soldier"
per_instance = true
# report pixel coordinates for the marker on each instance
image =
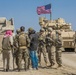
(42, 46)
(75, 41)
(16, 47)
(7, 48)
(50, 42)
(58, 48)
(23, 44)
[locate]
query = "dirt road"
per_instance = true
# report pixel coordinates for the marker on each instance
(69, 59)
(69, 67)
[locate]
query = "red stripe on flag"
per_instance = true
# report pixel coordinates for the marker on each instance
(42, 10)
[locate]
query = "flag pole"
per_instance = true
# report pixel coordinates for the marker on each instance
(51, 14)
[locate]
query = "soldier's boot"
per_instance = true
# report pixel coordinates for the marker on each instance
(54, 65)
(25, 69)
(39, 63)
(60, 67)
(19, 68)
(50, 65)
(7, 70)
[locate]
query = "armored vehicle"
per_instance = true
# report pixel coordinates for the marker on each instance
(67, 32)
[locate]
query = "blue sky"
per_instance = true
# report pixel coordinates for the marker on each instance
(24, 11)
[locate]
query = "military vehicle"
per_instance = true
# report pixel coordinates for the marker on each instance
(5, 25)
(66, 30)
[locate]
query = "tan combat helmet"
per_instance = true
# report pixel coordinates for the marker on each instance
(58, 32)
(30, 29)
(18, 31)
(42, 30)
(50, 29)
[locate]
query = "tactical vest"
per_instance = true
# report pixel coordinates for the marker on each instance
(22, 41)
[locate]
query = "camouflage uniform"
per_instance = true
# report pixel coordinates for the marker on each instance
(23, 53)
(58, 48)
(50, 42)
(42, 46)
(16, 46)
(23, 48)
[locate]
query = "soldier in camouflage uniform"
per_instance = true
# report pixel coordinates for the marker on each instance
(50, 42)
(23, 42)
(58, 48)
(16, 46)
(42, 46)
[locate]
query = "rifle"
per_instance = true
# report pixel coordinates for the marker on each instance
(58, 41)
(57, 37)
(49, 41)
(41, 43)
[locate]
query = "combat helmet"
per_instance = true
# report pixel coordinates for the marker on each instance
(50, 29)
(22, 28)
(42, 30)
(58, 32)
(18, 30)
(30, 29)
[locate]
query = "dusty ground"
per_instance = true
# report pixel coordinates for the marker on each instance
(69, 67)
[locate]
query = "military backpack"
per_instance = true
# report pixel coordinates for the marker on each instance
(22, 39)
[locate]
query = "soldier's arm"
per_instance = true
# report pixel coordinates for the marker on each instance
(54, 37)
(60, 41)
(11, 40)
(16, 41)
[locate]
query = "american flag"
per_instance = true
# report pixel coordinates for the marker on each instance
(44, 9)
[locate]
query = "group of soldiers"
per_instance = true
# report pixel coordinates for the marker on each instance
(52, 43)
(49, 42)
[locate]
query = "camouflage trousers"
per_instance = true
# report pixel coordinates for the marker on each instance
(51, 54)
(23, 54)
(16, 57)
(6, 59)
(59, 56)
(42, 50)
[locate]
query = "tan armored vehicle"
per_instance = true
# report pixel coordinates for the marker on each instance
(66, 30)
(5, 25)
